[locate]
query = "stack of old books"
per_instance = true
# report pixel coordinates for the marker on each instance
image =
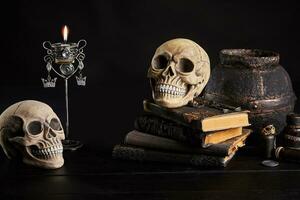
(204, 135)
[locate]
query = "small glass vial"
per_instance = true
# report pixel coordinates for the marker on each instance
(292, 131)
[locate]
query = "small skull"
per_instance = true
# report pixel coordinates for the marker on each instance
(31, 130)
(179, 71)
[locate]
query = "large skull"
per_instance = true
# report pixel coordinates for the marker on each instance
(179, 71)
(31, 130)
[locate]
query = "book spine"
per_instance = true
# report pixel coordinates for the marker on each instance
(140, 154)
(160, 127)
(140, 139)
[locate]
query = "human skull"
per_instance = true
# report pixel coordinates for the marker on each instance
(31, 130)
(179, 71)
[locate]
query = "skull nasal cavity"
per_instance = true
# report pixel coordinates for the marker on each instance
(51, 134)
(169, 71)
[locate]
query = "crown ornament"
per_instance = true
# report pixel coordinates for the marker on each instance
(49, 82)
(81, 81)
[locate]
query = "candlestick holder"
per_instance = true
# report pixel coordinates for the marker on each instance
(65, 60)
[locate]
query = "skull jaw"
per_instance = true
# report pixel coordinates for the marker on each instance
(50, 163)
(170, 102)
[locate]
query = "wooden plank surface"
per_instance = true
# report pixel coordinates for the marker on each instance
(90, 173)
(95, 175)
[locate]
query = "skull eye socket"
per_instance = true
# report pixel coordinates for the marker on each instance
(35, 127)
(55, 124)
(185, 65)
(160, 62)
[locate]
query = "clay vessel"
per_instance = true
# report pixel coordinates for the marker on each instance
(254, 80)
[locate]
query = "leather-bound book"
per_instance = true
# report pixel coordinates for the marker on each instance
(166, 128)
(205, 118)
(223, 149)
(126, 152)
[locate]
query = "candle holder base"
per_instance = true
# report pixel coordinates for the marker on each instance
(71, 145)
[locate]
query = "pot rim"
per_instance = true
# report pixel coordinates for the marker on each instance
(249, 57)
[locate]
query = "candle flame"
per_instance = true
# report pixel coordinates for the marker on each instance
(65, 32)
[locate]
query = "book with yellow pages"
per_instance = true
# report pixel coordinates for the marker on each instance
(204, 118)
(226, 148)
(166, 128)
(144, 148)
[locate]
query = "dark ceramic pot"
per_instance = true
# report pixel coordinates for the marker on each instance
(254, 80)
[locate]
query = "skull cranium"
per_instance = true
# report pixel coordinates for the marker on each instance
(32, 130)
(179, 71)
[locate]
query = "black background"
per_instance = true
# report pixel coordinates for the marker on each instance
(122, 37)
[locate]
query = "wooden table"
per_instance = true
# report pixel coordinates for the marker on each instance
(91, 173)
(88, 174)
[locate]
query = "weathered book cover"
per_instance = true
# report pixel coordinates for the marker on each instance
(166, 128)
(137, 138)
(126, 152)
(203, 117)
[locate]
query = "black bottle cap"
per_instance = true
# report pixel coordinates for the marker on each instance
(293, 119)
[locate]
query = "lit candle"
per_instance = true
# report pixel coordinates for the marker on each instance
(63, 50)
(65, 33)
(66, 53)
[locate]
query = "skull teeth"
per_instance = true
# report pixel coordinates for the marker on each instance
(49, 152)
(170, 89)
